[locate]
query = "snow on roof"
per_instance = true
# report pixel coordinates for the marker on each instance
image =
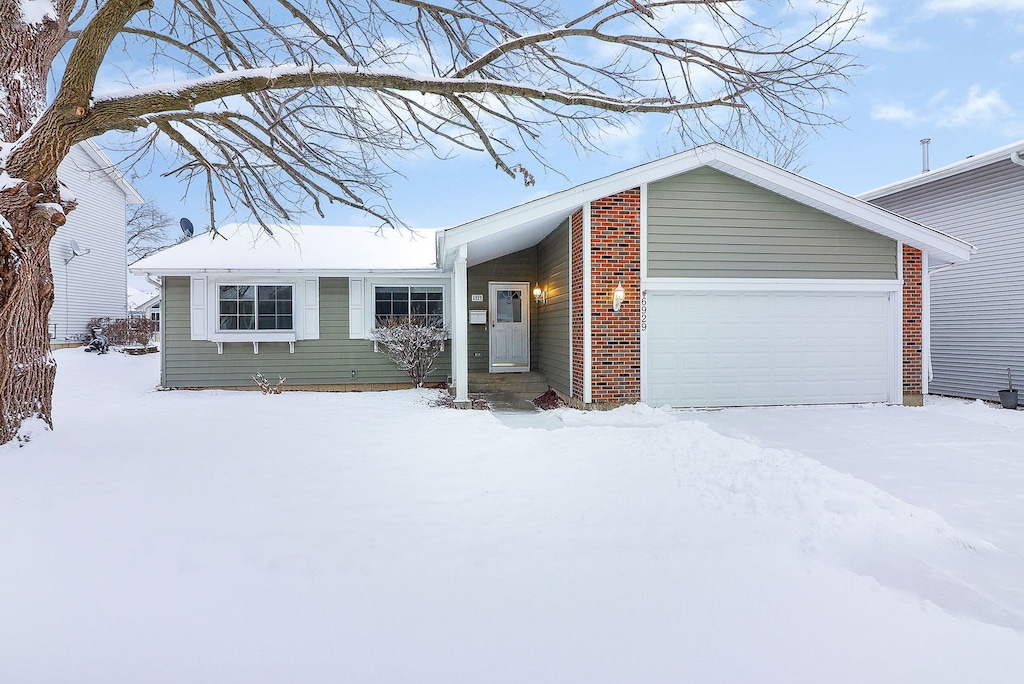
(137, 298)
(296, 248)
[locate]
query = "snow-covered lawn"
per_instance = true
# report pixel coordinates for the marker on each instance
(303, 538)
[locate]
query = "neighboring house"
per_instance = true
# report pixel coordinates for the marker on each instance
(90, 281)
(977, 308)
(741, 284)
(144, 305)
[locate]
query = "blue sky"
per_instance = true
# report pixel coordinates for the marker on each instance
(949, 70)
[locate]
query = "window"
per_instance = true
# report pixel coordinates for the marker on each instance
(420, 305)
(255, 307)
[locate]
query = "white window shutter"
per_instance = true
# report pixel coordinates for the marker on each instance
(311, 309)
(356, 317)
(197, 309)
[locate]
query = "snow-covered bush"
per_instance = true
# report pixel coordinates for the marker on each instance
(125, 332)
(413, 347)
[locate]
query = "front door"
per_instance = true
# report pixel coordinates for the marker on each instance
(510, 327)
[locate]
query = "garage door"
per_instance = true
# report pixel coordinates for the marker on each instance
(768, 348)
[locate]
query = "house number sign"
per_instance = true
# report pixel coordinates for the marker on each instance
(643, 311)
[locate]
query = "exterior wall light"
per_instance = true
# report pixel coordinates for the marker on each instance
(618, 296)
(540, 296)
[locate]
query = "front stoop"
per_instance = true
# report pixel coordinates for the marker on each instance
(532, 383)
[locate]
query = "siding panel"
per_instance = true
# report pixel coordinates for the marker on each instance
(977, 308)
(327, 361)
(707, 224)
(551, 352)
(94, 285)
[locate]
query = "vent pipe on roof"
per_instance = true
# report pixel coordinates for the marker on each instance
(924, 155)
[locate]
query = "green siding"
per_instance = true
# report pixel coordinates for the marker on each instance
(708, 224)
(329, 360)
(551, 351)
(519, 267)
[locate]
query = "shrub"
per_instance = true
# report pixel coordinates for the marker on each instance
(124, 332)
(410, 346)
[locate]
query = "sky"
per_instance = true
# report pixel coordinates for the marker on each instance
(948, 70)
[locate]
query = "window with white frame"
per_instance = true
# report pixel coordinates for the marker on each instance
(255, 307)
(421, 305)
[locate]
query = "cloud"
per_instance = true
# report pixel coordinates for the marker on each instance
(975, 5)
(977, 107)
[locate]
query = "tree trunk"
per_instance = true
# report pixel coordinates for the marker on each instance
(27, 369)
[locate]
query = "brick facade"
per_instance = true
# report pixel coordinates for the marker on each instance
(913, 325)
(576, 303)
(615, 335)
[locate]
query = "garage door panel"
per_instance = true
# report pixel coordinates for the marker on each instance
(764, 348)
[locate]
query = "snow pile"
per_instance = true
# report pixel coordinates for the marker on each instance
(218, 536)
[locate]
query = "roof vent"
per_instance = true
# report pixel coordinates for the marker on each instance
(924, 154)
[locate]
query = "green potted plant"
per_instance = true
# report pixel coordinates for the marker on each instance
(1008, 397)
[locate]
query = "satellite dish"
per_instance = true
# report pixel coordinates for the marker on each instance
(76, 250)
(186, 227)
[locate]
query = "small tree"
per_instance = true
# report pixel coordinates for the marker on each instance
(147, 226)
(411, 346)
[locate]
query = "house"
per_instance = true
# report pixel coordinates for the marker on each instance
(708, 278)
(977, 307)
(144, 304)
(89, 255)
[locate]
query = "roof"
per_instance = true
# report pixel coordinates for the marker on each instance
(132, 195)
(293, 249)
(526, 224)
(1006, 153)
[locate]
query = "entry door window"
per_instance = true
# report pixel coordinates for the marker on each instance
(509, 306)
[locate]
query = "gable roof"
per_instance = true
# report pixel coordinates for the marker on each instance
(103, 163)
(294, 249)
(1009, 152)
(526, 224)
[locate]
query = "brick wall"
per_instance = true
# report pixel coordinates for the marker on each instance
(913, 311)
(576, 303)
(615, 335)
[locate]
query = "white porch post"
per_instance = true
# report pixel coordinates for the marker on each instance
(460, 329)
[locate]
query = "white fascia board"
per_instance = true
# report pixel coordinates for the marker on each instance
(975, 162)
(132, 195)
(769, 285)
(395, 273)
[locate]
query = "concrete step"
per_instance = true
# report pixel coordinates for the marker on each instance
(532, 383)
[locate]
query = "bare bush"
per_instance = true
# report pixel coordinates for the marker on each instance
(265, 386)
(413, 347)
(125, 332)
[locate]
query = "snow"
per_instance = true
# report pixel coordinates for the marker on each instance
(137, 297)
(37, 11)
(295, 248)
(373, 537)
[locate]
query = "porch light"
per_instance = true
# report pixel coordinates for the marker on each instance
(618, 296)
(540, 296)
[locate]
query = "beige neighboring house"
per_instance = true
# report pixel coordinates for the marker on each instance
(89, 254)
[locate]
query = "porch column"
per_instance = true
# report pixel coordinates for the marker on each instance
(460, 329)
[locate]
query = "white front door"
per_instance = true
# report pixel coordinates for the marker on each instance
(509, 319)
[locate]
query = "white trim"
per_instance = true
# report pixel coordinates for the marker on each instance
(778, 284)
(198, 318)
(926, 324)
(896, 386)
(356, 307)
(587, 315)
(643, 231)
(460, 328)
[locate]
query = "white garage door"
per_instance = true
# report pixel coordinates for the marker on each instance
(768, 348)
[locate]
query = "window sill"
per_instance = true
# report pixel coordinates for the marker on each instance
(255, 338)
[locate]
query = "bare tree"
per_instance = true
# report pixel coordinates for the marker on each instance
(147, 226)
(293, 103)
